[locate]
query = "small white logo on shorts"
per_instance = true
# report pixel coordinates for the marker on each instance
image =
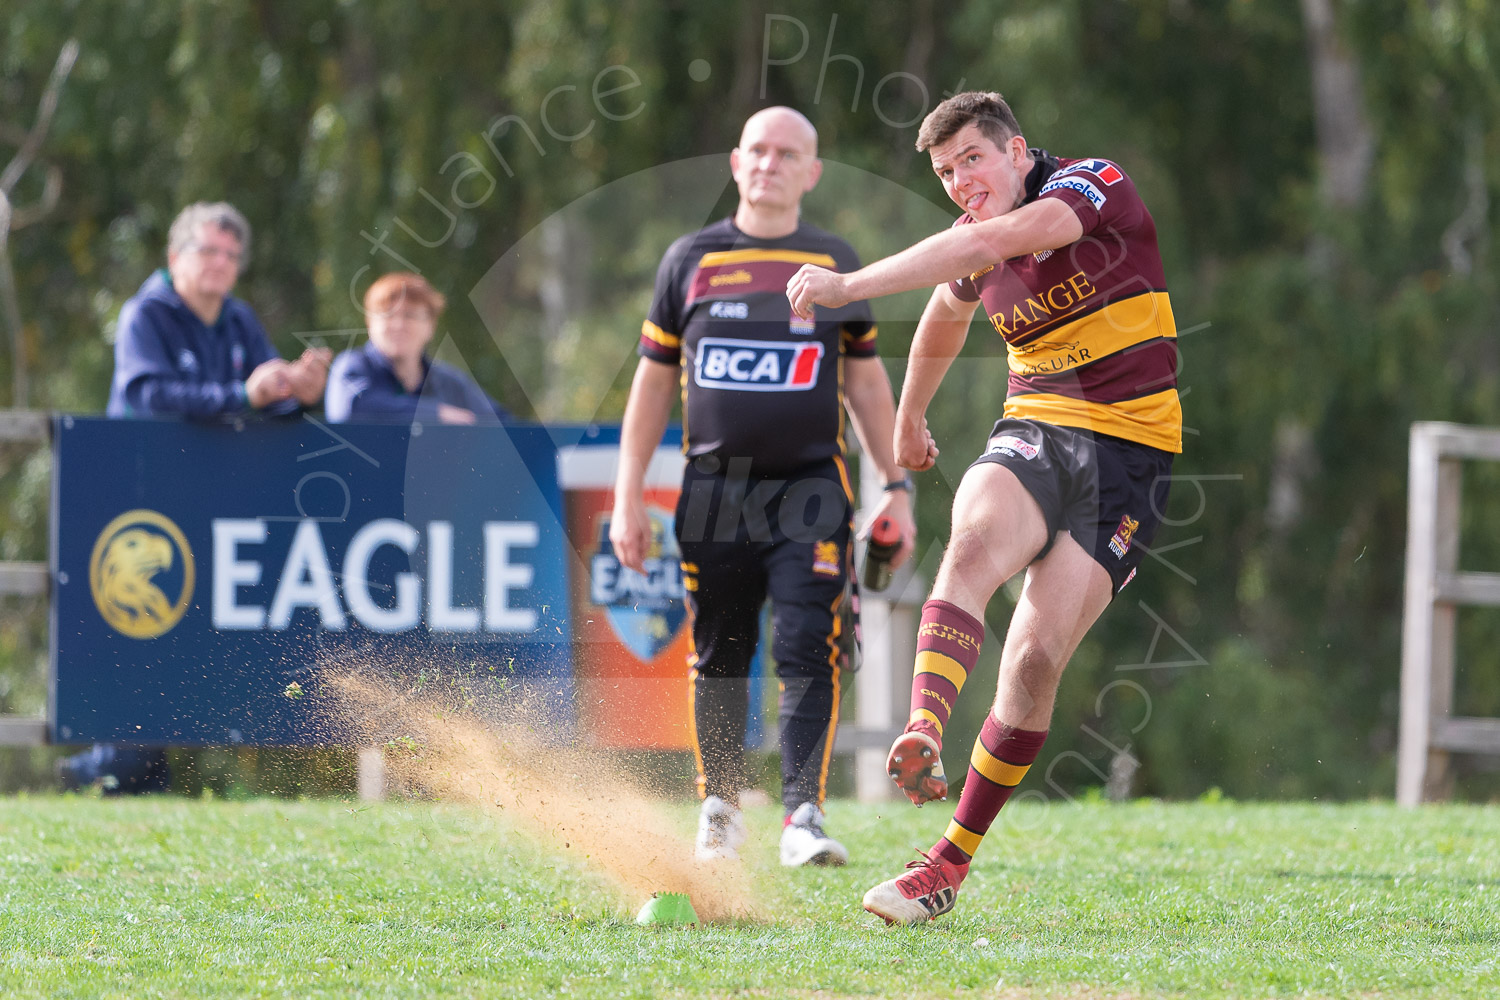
(1009, 444)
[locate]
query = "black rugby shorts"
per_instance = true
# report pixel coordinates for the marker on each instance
(1108, 493)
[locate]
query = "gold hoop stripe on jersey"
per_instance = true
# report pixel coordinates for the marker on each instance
(1109, 330)
(1154, 420)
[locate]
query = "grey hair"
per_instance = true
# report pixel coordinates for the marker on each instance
(191, 221)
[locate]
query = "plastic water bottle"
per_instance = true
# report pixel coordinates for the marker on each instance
(884, 543)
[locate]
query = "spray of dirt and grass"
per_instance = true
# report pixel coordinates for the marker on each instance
(443, 742)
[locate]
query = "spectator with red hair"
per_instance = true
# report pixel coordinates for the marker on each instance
(392, 378)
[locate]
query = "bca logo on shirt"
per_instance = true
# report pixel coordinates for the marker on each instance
(137, 555)
(756, 365)
(187, 361)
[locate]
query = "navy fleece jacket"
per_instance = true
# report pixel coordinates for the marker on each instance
(168, 362)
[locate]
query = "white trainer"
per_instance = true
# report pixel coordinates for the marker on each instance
(721, 831)
(803, 841)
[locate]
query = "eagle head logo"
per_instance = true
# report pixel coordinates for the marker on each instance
(132, 552)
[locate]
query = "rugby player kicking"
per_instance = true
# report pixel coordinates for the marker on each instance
(1072, 485)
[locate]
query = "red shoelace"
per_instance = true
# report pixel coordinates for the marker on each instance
(929, 874)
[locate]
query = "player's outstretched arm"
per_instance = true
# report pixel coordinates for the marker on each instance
(1045, 224)
(940, 336)
(646, 415)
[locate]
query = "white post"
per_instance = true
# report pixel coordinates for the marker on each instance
(888, 624)
(1427, 633)
(1421, 577)
(874, 701)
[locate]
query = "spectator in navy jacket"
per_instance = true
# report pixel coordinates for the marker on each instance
(185, 347)
(392, 378)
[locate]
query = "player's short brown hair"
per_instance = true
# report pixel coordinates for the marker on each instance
(986, 109)
(390, 291)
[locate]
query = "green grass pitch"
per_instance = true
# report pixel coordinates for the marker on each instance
(182, 898)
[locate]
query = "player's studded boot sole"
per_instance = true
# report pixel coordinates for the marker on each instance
(915, 766)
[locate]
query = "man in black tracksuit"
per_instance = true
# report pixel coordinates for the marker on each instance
(767, 502)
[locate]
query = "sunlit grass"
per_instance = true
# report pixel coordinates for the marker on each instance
(175, 897)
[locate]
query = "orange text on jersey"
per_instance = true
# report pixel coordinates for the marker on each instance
(1055, 301)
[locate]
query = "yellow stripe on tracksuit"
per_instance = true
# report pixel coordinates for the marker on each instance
(833, 715)
(692, 715)
(702, 781)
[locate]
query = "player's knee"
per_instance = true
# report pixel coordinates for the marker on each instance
(1032, 657)
(977, 552)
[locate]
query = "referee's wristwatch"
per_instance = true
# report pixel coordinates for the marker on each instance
(904, 485)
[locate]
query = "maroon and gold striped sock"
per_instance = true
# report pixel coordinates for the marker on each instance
(948, 643)
(1001, 757)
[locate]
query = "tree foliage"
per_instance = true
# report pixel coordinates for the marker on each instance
(469, 140)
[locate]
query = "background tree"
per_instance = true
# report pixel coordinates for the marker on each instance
(1321, 174)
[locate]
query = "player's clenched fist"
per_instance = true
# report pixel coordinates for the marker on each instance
(813, 285)
(915, 448)
(630, 532)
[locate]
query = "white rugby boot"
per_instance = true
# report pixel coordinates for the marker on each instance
(721, 831)
(927, 891)
(803, 841)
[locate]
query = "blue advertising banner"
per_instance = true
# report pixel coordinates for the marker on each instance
(202, 569)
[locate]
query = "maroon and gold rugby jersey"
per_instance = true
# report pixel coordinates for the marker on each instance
(1088, 327)
(757, 382)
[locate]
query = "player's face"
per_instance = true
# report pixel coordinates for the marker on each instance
(207, 267)
(982, 179)
(776, 162)
(402, 330)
